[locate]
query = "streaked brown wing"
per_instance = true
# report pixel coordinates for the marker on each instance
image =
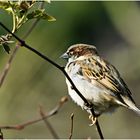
(107, 75)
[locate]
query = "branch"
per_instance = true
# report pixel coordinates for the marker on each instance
(49, 114)
(71, 129)
(88, 104)
(53, 132)
(8, 64)
(22, 43)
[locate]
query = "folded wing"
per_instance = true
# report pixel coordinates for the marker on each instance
(106, 75)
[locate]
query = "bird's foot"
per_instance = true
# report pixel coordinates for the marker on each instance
(87, 107)
(93, 120)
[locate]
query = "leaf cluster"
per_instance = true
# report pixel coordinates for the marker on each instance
(22, 12)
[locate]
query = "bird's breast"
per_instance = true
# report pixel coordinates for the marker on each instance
(97, 95)
(89, 90)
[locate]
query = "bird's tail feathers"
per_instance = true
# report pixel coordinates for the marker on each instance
(131, 105)
(135, 109)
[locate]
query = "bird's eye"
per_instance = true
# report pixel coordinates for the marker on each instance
(70, 53)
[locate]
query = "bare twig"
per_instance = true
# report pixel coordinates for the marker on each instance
(48, 124)
(27, 123)
(8, 64)
(71, 129)
(88, 104)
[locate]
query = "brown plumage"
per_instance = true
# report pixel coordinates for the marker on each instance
(98, 80)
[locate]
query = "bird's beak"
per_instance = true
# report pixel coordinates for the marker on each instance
(65, 56)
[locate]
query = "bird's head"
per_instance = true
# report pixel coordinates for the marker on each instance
(79, 51)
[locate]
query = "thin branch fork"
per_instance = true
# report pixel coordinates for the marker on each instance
(48, 124)
(22, 42)
(47, 115)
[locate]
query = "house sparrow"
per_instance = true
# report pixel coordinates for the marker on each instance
(97, 80)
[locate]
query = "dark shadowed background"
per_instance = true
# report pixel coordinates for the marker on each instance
(113, 27)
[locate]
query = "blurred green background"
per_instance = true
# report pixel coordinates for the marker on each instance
(113, 27)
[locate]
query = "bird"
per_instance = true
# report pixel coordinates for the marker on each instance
(97, 80)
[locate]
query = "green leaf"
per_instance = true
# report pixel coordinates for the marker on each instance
(40, 14)
(5, 39)
(48, 1)
(9, 5)
(35, 14)
(6, 47)
(48, 17)
(25, 5)
(4, 4)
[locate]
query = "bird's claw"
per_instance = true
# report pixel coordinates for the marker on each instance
(93, 120)
(86, 107)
